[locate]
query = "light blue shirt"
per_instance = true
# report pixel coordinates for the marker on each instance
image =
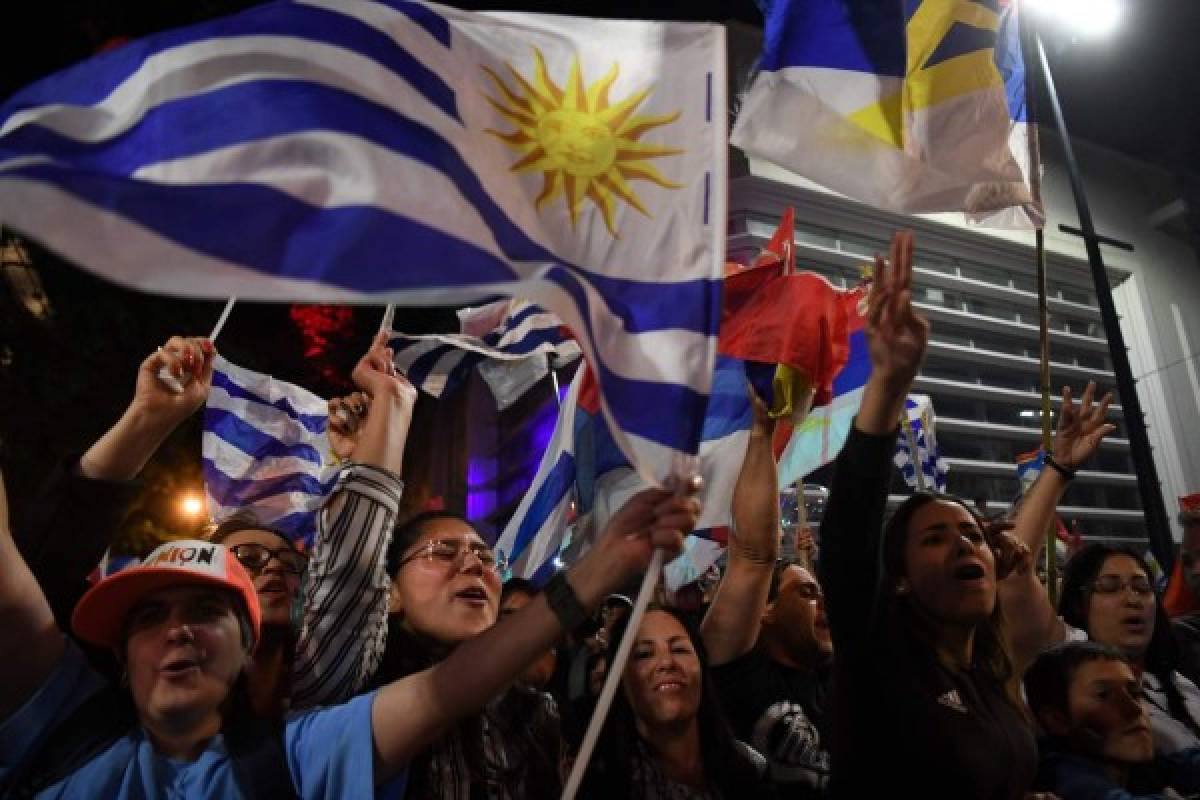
(330, 752)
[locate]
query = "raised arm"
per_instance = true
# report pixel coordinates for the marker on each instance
(731, 626)
(851, 530)
(155, 410)
(410, 713)
(29, 636)
(345, 610)
(1032, 622)
(59, 550)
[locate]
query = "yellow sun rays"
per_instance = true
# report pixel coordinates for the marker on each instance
(586, 146)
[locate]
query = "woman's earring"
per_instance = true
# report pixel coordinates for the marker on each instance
(901, 587)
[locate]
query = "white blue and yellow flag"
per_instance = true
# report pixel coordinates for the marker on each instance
(393, 151)
(909, 105)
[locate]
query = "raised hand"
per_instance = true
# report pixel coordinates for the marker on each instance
(190, 361)
(652, 518)
(1081, 428)
(346, 417)
(897, 336)
(376, 373)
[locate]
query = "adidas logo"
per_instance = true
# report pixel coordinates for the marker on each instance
(951, 700)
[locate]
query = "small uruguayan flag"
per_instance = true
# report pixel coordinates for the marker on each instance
(396, 151)
(584, 473)
(913, 107)
(512, 343)
(265, 449)
(922, 432)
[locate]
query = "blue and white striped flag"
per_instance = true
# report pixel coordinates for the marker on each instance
(350, 151)
(582, 472)
(513, 343)
(923, 424)
(265, 449)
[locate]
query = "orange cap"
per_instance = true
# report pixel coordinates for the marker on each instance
(99, 615)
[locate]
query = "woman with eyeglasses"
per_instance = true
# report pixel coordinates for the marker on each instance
(445, 590)
(1107, 594)
(295, 666)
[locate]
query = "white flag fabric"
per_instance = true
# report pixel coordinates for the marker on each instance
(350, 151)
(911, 107)
(512, 343)
(265, 448)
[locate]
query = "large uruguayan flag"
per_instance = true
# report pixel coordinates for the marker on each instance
(401, 151)
(922, 432)
(512, 343)
(265, 448)
(583, 473)
(913, 106)
(819, 438)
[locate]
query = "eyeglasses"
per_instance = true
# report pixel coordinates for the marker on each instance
(810, 591)
(255, 557)
(452, 551)
(1111, 584)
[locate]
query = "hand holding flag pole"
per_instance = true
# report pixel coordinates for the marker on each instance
(683, 487)
(167, 378)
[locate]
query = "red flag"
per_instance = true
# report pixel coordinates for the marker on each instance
(773, 315)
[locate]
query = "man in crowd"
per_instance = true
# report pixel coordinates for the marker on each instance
(765, 632)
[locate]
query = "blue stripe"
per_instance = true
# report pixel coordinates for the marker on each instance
(837, 34)
(315, 423)
(238, 433)
(93, 80)
(1010, 61)
(549, 494)
(234, 492)
(667, 413)
(646, 306)
(858, 368)
(351, 248)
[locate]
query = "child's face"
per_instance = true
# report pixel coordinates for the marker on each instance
(1107, 717)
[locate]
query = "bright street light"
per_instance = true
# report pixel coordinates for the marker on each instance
(191, 504)
(1088, 18)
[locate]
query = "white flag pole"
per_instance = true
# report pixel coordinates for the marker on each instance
(685, 469)
(613, 679)
(216, 331)
(164, 375)
(389, 314)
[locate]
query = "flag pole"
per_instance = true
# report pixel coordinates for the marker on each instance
(683, 469)
(1158, 526)
(225, 312)
(389, 314)
(906, 425)
(164, 375)
(1039, 239)
(1044, 345)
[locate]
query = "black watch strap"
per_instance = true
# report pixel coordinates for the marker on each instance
(1068, 474)
(564, 602)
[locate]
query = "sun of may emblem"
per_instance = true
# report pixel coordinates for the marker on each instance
(584, 144)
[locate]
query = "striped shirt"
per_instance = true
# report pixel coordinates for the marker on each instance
(345, 608)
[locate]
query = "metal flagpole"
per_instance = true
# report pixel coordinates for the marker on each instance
(1158, 526)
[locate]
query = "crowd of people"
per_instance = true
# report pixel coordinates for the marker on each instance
(920, 656)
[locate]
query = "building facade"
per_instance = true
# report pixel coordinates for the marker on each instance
(978, 288)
